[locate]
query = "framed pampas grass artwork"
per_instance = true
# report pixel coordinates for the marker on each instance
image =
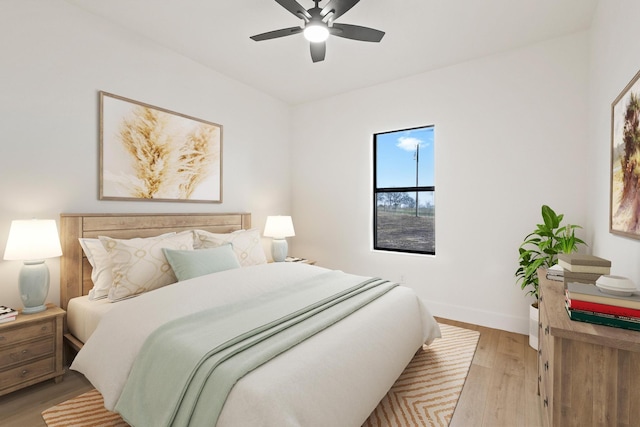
(625, 162)
(149, 153)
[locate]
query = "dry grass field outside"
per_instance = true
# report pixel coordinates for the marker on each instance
(401, 230)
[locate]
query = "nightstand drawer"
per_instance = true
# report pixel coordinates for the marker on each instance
(27, 372)
(11, 336)
(26, 351)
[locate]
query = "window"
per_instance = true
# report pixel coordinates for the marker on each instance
(404, 191)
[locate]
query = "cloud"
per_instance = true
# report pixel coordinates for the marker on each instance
(408, 143)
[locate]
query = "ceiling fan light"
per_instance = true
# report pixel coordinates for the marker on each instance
(316, 33)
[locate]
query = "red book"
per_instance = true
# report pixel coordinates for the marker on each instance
(595, 307)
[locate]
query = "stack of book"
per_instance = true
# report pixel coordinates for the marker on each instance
(555, 273)
(7, 314)
(586, 303)
(583, 268)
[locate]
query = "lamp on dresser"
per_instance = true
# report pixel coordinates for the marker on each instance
(279, 228)
(32, 241)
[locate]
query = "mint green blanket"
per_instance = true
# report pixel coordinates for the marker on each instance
(187, 367)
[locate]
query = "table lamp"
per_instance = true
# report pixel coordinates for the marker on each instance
(279, 227)
(32, 241)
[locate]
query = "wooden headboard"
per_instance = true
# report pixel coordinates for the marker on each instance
(75, 270)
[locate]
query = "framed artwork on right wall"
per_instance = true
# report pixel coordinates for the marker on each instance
(624, 206)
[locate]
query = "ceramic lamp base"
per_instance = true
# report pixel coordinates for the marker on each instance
(279, 248)
(33, 284)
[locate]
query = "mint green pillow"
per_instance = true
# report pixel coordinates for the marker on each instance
(190, 264)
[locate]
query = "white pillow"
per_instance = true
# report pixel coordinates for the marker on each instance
(246, 244)
(139, 265)
(100, 261)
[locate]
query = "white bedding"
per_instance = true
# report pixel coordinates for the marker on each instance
(83, 315)
(336, 377)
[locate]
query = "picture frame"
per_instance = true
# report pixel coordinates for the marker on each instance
(151, 153)
(624, 201)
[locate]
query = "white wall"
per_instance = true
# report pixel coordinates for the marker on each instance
(511, 132)
(55, 58)
(615, 60)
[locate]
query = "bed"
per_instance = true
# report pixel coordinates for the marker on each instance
(335, 376)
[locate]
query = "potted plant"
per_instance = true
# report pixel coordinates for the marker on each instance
(540, 249)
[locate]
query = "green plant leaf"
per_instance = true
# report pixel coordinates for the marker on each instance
(549, 217)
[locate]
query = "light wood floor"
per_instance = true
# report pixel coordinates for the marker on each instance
(501, 389)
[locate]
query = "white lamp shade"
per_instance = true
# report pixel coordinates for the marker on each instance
(279, 227)
(33, 239)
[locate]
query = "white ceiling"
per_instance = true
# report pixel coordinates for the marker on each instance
(421, 35)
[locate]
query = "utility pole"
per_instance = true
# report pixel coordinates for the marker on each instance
(417, 161)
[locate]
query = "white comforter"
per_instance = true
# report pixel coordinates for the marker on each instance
(336, 377)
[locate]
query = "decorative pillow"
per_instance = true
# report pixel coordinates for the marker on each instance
(101, 267)
(246, 244)
(189, 264)
(100, 261)
(139, 264)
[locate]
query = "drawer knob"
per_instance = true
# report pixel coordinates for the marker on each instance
(546, 330)
(546, 402)
(44, 328)
(15, 356)
(2, 338)
(546, 365)
(24, 373)
(540, 352)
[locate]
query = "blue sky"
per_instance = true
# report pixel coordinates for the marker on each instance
(396, 164)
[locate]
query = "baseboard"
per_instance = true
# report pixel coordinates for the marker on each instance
(489, 319)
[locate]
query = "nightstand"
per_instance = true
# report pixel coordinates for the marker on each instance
(31, 349)
(300, 260)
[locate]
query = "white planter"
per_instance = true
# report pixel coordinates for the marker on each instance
(533, 326)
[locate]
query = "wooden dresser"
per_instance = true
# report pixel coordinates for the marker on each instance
(588, 375)
(31, 349)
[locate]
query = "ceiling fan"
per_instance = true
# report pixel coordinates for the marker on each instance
(319, 24)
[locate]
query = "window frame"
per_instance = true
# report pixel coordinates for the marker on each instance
(410, 189)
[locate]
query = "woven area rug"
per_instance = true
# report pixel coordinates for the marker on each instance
(426, 393)
(86, 410)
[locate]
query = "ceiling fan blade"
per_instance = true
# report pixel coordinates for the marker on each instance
(338, 7)
(317, 51)
(356, 32)
(296, 8)
(277, 33)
